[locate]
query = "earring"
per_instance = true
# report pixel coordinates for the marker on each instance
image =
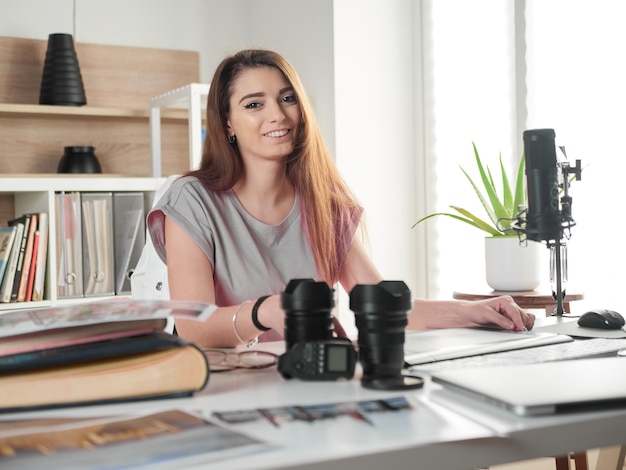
(232, 139)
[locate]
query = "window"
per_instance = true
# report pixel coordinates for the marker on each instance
(573, 82)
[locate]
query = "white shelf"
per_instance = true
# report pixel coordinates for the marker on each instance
(190, 96)
(36, 193)
(97, 182)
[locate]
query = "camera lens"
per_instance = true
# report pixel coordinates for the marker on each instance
(381, 318)
(307, 305)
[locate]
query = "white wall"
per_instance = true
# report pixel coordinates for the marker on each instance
(299, 29)
(377, 124)
(355, 58)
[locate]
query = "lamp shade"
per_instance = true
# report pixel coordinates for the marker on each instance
(61, 81)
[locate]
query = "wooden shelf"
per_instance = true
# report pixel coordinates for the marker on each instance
(30, 110)
(120, 82)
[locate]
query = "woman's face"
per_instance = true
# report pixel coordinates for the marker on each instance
(264, 114)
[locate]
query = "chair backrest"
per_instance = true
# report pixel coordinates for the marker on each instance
(149, 279)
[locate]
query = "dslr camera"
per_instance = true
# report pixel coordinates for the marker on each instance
(312, 353)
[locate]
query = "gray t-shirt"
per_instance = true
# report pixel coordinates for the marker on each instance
(249, 258)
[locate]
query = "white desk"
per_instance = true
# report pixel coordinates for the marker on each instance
(440, 433)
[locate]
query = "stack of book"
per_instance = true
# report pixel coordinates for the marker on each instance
(89, 353)
(23, 254)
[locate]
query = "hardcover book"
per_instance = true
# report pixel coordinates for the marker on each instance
(42, 258)
(7, 235)
(9, 275)
(98, 352)
(24, 219)
(28, 257)
(157, 365)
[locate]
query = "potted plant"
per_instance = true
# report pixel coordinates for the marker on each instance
(510, 265)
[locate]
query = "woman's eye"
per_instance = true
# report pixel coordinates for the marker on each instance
(289, 99)
(253, 105)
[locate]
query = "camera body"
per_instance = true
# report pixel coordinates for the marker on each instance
(330, 359)
(312, 352)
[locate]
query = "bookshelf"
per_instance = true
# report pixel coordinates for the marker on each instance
(120, 83)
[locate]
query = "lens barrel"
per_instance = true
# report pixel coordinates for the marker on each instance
(308, 308)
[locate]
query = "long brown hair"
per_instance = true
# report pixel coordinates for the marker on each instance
(327, 203)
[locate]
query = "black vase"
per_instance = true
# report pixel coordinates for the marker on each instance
(61, 81)
(79, 159)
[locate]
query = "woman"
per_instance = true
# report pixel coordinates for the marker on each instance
(268, 205)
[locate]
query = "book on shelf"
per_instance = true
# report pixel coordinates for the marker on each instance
(26, 294)
(42, 259)
(28, 256)
(24, 219)
(98, 353)
(129, 236)
(7, 235)
(69, 248)
(9, 275)
(97, 233)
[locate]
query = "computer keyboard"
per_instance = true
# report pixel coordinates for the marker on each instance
(577, 349)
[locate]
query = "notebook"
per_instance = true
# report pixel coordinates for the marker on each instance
(543, 389)
(421, 347)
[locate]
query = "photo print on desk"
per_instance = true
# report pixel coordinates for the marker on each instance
(277, 416)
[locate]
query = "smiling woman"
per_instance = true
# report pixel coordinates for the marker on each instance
(267, 206)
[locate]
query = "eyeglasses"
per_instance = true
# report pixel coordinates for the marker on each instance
(223, 361)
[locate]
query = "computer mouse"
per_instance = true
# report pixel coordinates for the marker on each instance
(601, 318)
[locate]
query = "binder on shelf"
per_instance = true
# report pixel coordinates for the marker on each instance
(42, 259)
(129, 238)
(69, 247)
(97, 233)
(9, 275)
(7, 235)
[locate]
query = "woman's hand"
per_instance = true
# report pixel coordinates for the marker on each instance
(498, 312)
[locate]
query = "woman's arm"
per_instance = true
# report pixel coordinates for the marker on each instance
(500, 312)
(190, 277)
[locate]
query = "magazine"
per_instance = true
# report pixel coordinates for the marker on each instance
(167, 439)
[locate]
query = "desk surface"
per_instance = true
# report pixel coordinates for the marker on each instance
(441, 431)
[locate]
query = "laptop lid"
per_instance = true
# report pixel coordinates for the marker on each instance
(546, 388)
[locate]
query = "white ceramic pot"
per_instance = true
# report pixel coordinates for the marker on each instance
(511, 266)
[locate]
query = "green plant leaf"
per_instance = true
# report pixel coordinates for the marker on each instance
(500, 211)
(520, 188)
(507, 194)
(477, 221)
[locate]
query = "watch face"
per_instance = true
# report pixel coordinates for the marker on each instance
(336, 358)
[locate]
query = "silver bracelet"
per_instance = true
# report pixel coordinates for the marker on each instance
(247, 344)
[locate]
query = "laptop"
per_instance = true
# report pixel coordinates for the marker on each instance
(546, 388)
(422, 347)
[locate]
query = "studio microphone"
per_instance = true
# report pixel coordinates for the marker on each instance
(543, 218)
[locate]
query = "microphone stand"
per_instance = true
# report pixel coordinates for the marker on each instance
(559, 278)
(566, 223)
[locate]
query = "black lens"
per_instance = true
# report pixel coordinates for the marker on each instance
(381, 318)
(308, 311)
